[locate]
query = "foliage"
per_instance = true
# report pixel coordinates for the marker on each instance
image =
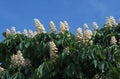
(75, 59)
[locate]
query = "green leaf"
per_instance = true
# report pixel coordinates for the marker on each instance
(17, 75)
(44, 69)
(27, 44)
(21, 46)
(5, 75)
(95, 63)
(102, 67)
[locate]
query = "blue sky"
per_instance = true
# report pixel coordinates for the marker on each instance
(20, 13)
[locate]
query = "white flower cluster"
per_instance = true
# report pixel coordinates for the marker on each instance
(86, 36)
(52, 27)
(86, 27)
(13, 30)
(1, 69)
(25, 32)
(95, 26)
(64, 26)
(111, 21)
(18, 60)
(79, 34)
(29, 33)
(113, 40)
(53, 50)
(87, 32)
(39, 27)
(9, 32)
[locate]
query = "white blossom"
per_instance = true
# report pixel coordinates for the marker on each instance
(87, 34)
(111, 21)
(8, 33)
(113, 40)
(35, 33)
(53, 50)
(85, 41)
(95, 26)
(62, 27)
(52, 27)
(39, 27)
(18, 60)
(79, 34)
(30, 34)
(66, 25)
(25, 32)
(13, 30)
(106, 26)
(18, 32)
(91, 42)
(1, 69)
(85, 26)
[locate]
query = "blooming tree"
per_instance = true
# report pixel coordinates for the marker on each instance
(61, 54)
